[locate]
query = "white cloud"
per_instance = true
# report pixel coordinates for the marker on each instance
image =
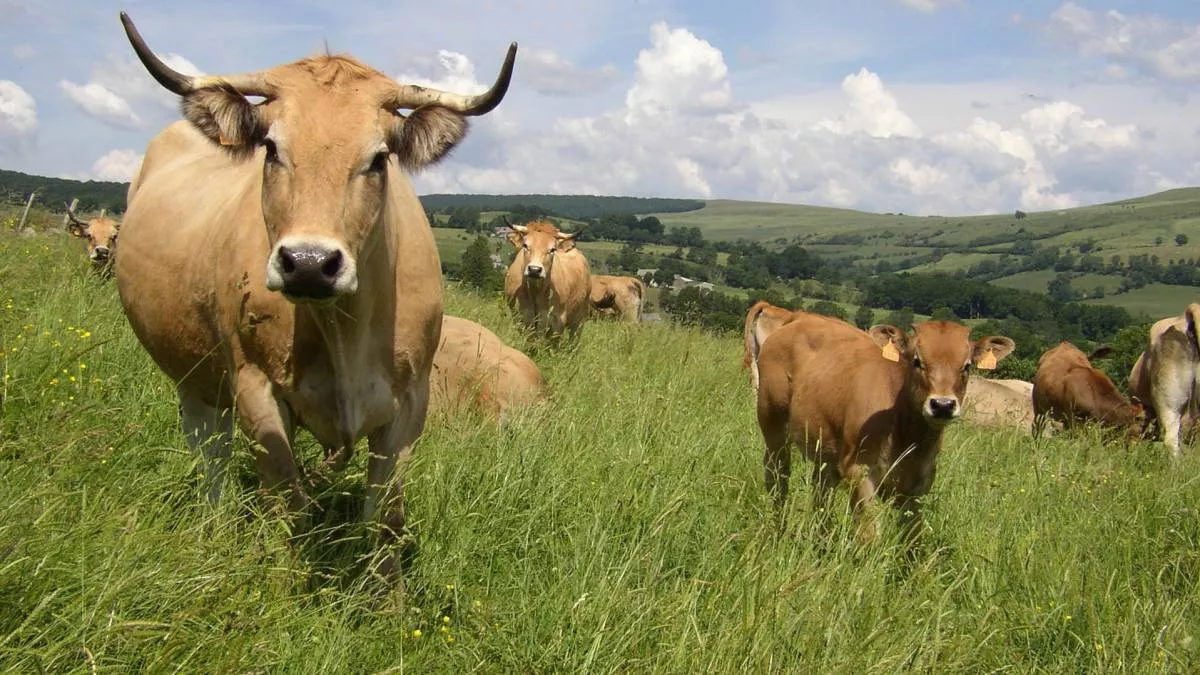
(23, 51)
(117, 165)
(548, 73)
(873, 110)
(1148, 44)
(449, 71)
(929, 6)
(101, 103)
(18, 119)
(679, 73)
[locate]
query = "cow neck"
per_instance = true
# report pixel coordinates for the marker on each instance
(344, 325)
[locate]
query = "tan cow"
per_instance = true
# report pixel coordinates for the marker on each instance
(473, 369)
(100, 236)
(277, 262)
(865, 406)
(1167, 374)
(762, 319)
(1067, 389)
(548, 281)
(619, 296)
(999, 403)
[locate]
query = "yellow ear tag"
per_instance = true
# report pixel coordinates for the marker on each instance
(890, 352)
(987, 361)
(222, 140)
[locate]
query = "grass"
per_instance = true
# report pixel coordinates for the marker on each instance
(620, 528)
(1154, 301)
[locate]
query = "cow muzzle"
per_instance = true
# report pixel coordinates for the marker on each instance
(307, 271)
(100, 254)
(942, 408)
(535, 272)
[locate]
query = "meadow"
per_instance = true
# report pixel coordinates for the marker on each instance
(619, 527)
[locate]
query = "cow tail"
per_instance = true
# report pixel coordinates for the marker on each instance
(1193, 326)
(639, 289)
(751, 336)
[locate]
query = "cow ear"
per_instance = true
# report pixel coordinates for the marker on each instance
(990, 350)
(426, 136)
(1100, 352)
(76, 230)
(225, 117)
(891, 340)
(566, 242)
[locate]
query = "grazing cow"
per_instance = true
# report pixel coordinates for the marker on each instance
(276, 262)
(1167, 374)
(473, 368)
(1067, 389)
(999, 403)
(100, 235)
(619, 296)
(869, 406)
(762, 320)
(548, 281)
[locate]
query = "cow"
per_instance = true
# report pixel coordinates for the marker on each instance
(100, 236)
(1167, 374)
(762, 319)
(1067, 389)
(277, 263)
(619, 296)
(999, 403)
(548, 281)
(474, 370)
(867, 406)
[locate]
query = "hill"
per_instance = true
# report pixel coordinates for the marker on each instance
(55, 192)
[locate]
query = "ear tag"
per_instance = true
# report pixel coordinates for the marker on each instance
(987, 361)
(222, 140)
(890, 352)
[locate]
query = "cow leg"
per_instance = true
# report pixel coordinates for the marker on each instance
(777, 462)
(861, 497)
(209, 430)
(268, 421)
(389, 451)
(825, 477)
(1169, 399)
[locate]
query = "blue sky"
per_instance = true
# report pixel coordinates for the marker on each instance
(920, 106)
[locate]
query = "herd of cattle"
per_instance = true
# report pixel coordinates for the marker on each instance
(277, 265)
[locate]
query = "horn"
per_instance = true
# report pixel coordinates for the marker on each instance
(247, 84)
(70, 218)
(411, 96)
(520, 229)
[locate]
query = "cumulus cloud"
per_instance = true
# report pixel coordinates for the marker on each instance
(102, 103)
(928, 6)
(18, 119)
(681, 133)
(1143, 43)
(548, 73)
(117, 165)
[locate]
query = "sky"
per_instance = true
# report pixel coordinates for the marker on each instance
(949, 107)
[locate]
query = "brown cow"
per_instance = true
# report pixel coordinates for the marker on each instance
(1067, 389)
(100, 235)
(999, 403)
(276, 262)
(1167, 374)
(762, 319)
(548, 281)
(474, 369)
(866, 406)
(618, 296)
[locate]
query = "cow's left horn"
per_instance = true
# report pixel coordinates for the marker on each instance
(412, 96)
(248, 84)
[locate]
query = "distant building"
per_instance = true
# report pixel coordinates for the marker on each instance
(680, 282)
(643, 273)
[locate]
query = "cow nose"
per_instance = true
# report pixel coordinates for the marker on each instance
(942, 407)
(533, 270)
(101, 253)
(309, 271)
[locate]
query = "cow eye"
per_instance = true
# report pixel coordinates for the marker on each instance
(272, 151)
(379, 163)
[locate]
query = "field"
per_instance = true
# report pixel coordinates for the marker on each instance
(621, 527)
(1154, 300)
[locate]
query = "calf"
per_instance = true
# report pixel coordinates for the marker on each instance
(762, 320)
(869, 406)
(100, 235)
(548, 281)
(1067, 389)
(1168, 373)
(619, 296)
(999, 403)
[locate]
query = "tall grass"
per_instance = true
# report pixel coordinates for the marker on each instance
(622, 527)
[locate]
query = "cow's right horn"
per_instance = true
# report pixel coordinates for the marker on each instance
(247, 84)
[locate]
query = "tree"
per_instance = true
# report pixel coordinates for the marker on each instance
(1158, 241)
(1019, 214)
(828, 309)
(864, 318)
(476, 269)
(1059, 289)
(901, 318)
(944, 313)
(1181, 239)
